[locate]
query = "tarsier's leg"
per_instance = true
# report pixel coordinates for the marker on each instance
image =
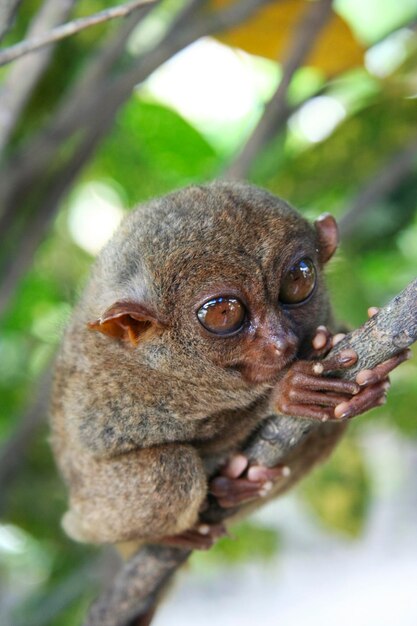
(239, 481)
(144, 494)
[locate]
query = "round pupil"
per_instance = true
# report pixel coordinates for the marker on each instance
(222, 316)
(298, 282)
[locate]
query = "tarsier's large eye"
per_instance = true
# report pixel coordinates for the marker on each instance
(298, 283)
(222, 316)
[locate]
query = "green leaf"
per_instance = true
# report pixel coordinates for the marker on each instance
(338, 492)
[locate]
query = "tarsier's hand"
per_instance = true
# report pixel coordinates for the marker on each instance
(305, 391)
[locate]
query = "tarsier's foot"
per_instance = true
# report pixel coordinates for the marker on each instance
(201, 537)
(305, 391)
(239, 481)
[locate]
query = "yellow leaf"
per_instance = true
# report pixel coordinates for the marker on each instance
(269, 33)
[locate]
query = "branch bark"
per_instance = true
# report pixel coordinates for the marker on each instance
(277, 110)
(26, 177)
(25, 74)
(82, 108)
(67, 30)
(142, 578)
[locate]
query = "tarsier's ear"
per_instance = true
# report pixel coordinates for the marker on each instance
(327, 236)
(129, 321)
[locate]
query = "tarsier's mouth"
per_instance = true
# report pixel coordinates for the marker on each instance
(261, 373)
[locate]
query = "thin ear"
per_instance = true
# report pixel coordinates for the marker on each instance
(129, 321)
(327, 236)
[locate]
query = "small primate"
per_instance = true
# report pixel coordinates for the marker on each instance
(203, 316)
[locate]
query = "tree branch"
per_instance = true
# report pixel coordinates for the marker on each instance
(39, 221)
(142, 578)
(277, 110)
(25, 74)
(67, 30)
(81, 108)
(25, 179)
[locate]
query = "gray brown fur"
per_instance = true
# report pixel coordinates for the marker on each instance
(137, 431)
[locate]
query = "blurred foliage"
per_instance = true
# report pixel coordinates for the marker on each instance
(339, 491)
(135, 157)
(269, 33)
(246, 541)
(45, 578)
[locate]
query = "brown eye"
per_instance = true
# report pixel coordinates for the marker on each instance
(222, 316)
(298, 283)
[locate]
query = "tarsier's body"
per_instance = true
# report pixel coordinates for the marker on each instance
(206, 302)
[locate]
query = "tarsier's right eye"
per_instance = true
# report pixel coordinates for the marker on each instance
(222, 316)
(298, 283)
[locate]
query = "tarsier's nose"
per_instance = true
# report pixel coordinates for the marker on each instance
(281, 345)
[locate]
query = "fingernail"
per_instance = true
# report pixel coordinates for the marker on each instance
(319, 341)
(236, 466)
(347, 356)
(204, 529)
(342, 410)
(266, 489)
(337, 338)
(364, 377)
(256, 472)
(286, 471)
(318, 368)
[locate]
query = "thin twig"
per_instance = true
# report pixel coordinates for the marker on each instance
(277, 111)
(69, 29)
(387, 179)
(37, 226)
(25, 74)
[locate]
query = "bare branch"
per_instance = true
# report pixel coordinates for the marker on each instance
(25, 74)
(277, 111)
(181, 35)
(69, 29)
(82, 107)
(38, 223)
(8, 10)
(28, 175)
(383, 336)
(384, 182)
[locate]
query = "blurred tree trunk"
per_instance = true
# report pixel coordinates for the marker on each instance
(38, 167)
(39, 171)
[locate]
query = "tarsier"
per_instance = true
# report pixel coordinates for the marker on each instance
(206, 313)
